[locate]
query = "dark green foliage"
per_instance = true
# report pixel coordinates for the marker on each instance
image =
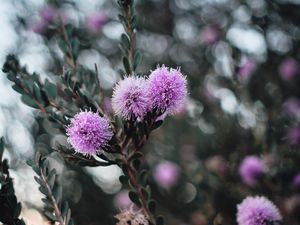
(55, 208)
(10, 208)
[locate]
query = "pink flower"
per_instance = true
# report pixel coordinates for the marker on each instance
(88, 133)
(131, 217)
(288, 69)
(257, 210)
(166, 174)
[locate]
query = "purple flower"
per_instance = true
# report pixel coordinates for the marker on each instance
(130, 99)
(88, 133)
(40, 27)
(251, 169)
(121, 200)
(48, 14)
(296, 180)
(247, 69)
(166, 174)
(293, 135)
(167, 89)
(95, 22)
(257, 210)
(288, 69)
(292, 107)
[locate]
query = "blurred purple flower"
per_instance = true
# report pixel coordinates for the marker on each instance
(166, 174)
(210, 35)
(88, 133)
(288, 68)
(292, 107)
(296, 180)
(130, 98)
(247, 69)
(257, 210)
(39, 27)
(251, 169)
(293, 135)
(48, 14)
(95, 22)
(167, 89)
(121, 200)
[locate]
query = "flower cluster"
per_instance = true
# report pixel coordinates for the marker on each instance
(257, 211)
(88, 133)
(165, 91)
(131, 217)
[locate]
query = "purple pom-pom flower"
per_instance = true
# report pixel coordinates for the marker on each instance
(251, 169)
(167, 89)
(130, 99)
(88, 133)
(257, 211)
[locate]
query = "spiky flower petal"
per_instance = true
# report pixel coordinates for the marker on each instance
(88, 133)
(257, 210)
(131, 217)
(167, 89)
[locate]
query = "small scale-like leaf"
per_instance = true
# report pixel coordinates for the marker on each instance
(157, 124)
(43, 190)
(126, 65)
(125, 41)
(39, 181)
(137, 59)
(124, 179)
(134, 198)
(29, 101)
(160, 220)
(51, 178)
(143, 176)
(50, 216)
(50, 89)
(57, 192)
(136, 163)
(18, 89)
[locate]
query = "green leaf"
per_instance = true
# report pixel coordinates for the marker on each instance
(134, 198)
(18, 89)
(136, 163)
(57, 192)
(137, 59)
(125, 41)
(124, 179)
(143, 176)
(75, 44)
(63, 45)
(29, 101)
(126, 65)
(51, 178)
(50, 216)
(50, 89)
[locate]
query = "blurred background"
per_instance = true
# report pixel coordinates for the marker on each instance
(241, 59)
